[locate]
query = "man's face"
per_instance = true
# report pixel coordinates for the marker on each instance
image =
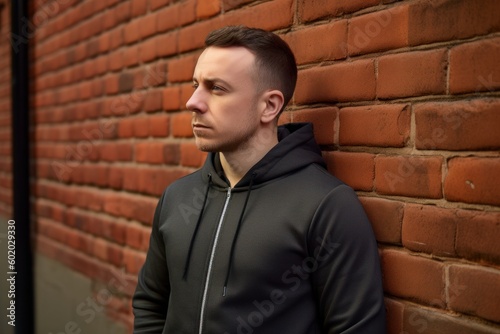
(225, 101)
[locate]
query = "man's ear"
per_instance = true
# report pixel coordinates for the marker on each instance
(273, 102)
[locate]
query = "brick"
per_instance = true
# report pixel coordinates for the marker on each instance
(323, 120)
(182, 69)
(115, 179)
(149, 152)
(159, 125)
(413, 277)
(171, 154)
(115, 152)
(125, 82)
(412, 74)
(166, 44)
(207, 8)
(141, 127)
(147, 25)
(171, 98)
(133, 235)
(386, 218)
(318, 43)
(167, 18)
(311, 10)
(470, 180)
(186, 93)
(377, 125)
(474, 67)
(131, 56)
(181, 125)
(355, 169)
(271, 15)
(378, 31)
(193, 36)
(429, 229)
(116, 38)
(131, 32)
(477, 236)
(147, 50)
(153, 100)
(191, 156)
(321, 84)
(451, 19)
(394, 315)
(187, 12)
(464, 125)
(411, 176)
(431, 321)
(139, 8)
(475, 291)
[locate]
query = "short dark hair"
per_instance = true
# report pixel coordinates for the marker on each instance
(273, 57)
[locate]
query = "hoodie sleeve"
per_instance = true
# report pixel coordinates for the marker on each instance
(348, 280)
(150, 300)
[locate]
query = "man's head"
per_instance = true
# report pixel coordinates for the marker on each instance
(243, 81)
(275, 66)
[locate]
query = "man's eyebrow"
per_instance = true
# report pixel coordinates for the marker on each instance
(214, 80)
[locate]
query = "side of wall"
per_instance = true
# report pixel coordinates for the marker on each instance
(404, 96)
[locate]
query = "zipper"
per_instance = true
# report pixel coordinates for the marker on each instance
(210, 263)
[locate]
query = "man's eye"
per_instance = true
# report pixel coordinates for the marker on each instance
(216, 88)
(195, 85)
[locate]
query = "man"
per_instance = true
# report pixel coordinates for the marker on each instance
(261, 239)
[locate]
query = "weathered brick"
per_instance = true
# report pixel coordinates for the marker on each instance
(413, 277)
(473, 67)
(378, 31)
(429, 229)
(378, 125)
(386, 218)
(451, 19)
(318, 43)
(412, 74)
(475, 291)
(355, 169)
(464, 125)
(470, 180)
(412, 176)
(311, 10)
(322, 84)
(477, 235)
(323, 120)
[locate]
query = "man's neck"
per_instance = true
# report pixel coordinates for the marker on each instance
(237, 163)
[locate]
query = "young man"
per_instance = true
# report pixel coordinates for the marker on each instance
(261, 239)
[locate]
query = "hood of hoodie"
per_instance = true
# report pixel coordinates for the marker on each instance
(295, 150)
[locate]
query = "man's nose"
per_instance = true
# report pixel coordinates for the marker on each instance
(196, 102)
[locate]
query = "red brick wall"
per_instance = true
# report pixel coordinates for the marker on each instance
(404, 96)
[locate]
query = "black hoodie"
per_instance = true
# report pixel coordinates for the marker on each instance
(287, 250)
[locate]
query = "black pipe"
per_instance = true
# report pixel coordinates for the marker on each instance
(24, 300)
